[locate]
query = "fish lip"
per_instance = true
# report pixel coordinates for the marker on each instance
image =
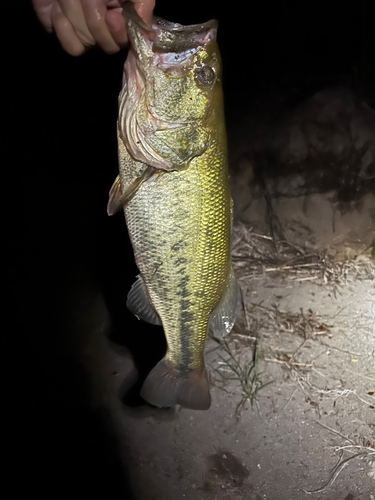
(166, 36)
(129, 12)
(176, 38)
(185, 28)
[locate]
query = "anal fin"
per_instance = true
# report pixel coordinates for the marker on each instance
(139, 304)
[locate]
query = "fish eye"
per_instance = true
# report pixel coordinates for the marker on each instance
(205, 75)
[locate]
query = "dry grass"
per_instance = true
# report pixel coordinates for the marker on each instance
(275, 320)
(255, 255)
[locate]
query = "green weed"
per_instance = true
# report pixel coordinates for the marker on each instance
(243, 371)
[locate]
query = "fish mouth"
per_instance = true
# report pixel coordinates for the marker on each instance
(169, 44)
(174, 37)
(165, 36)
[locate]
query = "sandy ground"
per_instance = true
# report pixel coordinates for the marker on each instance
(310, 432)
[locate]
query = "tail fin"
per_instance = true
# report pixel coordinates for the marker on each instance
(166, 386)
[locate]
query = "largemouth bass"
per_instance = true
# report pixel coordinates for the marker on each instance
(174, 188)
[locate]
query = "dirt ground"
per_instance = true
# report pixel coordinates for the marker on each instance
(310, 431)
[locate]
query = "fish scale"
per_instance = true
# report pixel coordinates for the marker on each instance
(179, 225)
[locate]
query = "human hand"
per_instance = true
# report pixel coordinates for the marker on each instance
(81, 24)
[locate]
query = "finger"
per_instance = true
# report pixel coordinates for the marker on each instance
(65, 32)
(116, 25)
(43, 11)
(73, 11)
(144, 9)
(95, 14)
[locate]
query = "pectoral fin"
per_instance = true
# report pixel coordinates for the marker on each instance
(139, 304)
(117, 198)
(223, 317)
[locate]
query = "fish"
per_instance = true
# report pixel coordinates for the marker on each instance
(173, 186)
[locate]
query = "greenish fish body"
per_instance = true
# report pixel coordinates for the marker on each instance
(174, 188)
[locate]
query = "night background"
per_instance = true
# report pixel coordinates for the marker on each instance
(59, 155)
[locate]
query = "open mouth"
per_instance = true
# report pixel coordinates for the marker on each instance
(164, 36)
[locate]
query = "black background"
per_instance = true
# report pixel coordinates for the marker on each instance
(59, 159)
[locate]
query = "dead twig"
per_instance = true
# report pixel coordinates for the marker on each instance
(359, 374)
(334, 431)
(292, 363)
(336, 471)
(342, 350)
(289, 400)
